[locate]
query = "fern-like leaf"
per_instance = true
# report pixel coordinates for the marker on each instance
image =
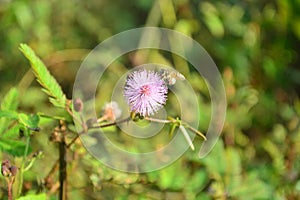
(47, 81)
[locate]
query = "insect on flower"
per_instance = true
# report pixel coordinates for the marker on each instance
(170, 76)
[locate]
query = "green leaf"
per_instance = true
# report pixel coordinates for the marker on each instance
(29, 121)
(43, 115)
(252, 188)
(12, 132)
(47, 81)
(41, 196)
(15, 148)
(215, 161)
(8, 104)
(8, 114)
(10, 101)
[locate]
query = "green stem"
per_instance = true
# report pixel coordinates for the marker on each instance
(174, 121)
(163, 121)
(23, 162)
(30, 164)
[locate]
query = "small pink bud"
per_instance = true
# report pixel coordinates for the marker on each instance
(78, 105)
(5, 168)
(14, 170)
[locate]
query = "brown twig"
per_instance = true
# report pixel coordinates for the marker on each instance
(62, 164)
(9, 188)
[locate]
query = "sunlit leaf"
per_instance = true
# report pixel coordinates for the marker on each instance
(29, 121)
(49, 83)
(13, 147)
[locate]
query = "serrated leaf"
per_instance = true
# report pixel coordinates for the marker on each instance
(15, 148)
(42, 196)
(47, 81)
(8, 104)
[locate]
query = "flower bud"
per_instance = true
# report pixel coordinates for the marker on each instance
(78, 105)
(5, 168)
(111, 111)
(14, 170)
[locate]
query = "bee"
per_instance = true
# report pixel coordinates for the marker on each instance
(170, 76)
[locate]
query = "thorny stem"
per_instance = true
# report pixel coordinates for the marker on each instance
(20, 187)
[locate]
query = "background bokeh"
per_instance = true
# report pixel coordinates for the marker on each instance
(255, 45)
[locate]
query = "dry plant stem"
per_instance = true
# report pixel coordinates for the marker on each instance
(62, 167)
(62, 170)
(10, 182)
(53, 189)
(9, 186)
(53, 169)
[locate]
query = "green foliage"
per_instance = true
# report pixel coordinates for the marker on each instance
(8, 114)
(29, 121)
(255, 45)
(13, 147)
(41, 196)
(10, 138)
(225, 167)
(9, 104)
(47, 81)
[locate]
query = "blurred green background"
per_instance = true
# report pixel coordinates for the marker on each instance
(255, 45)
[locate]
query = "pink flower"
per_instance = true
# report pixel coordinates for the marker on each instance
(145, 92)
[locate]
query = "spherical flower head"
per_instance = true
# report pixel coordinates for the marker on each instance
(145, 92)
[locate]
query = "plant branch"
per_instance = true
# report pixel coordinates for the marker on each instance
(20, 187)
(163, 121)
(62, 165)
(111, 124)
(9, 188)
